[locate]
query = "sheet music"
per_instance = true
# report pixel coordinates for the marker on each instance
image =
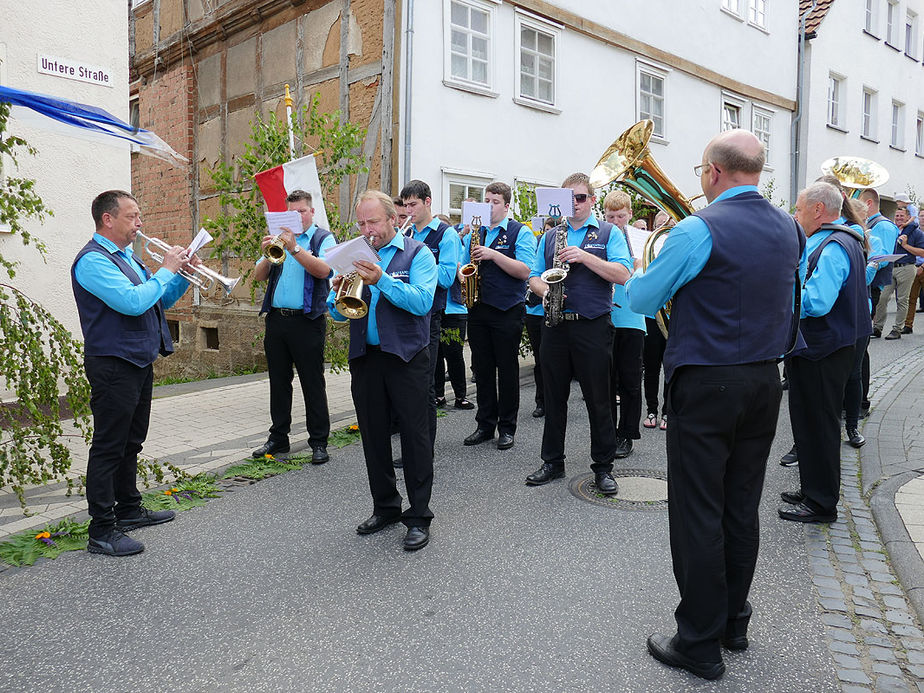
(202, 238)
(555, 202)
(637, 238)
(342, 256)
(886, 258)
(276, 220)
(476, 209)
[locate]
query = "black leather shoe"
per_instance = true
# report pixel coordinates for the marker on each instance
(416, 538)
(907, 330)
(803, 513)
(441, 402)
(479, 436)
(538, 412)
(623, 448)
(544, 475)
(793, 497)
(270, 447)
(144, 518)
(376, 523)
(790, 459)
(319, 454)
(662, 648)
(855, 439)
(876, 334)
(463, 404)
(505, 441)
(606, 484)
(894, 334)
(114, 544)
(736, 629)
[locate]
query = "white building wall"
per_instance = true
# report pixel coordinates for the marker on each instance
(863, 59)
(488, 134)
(69, 172)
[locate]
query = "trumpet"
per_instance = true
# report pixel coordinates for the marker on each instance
(275, 252)
(201, 276)
(349, 297)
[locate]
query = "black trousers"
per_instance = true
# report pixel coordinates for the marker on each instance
(449, 356)
(816, 392)
(653, 359)
(722, 423)
(534, 332)
(384, 386)
(436, 321)
(494, 336)
(299, 341)
(627, 382)
(120, 399)
(853, 392)
(578, 349)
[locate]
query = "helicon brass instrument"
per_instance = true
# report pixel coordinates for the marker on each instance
(349, 297)
(275, 251)
(629, 162)
(855, 173)
(471, 279)
(555, 277)
(203, 277)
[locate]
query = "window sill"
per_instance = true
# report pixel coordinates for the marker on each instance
(894, 48)
(759, 28)
(897, 149)
(911, 57)
(731, 14)
(869, 139)
(6, 229)
(871, 35)
(536, 105)
(920, 155)
(836, 127)
(658, 139)
(471, 88)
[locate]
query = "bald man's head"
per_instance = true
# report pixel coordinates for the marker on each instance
(737, 151)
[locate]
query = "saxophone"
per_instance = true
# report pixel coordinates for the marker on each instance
(471, 279)
(555, 277)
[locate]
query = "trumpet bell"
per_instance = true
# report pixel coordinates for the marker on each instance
(275, 252)
(348, 301)
(855, 172)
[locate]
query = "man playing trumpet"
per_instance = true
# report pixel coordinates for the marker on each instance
(121, 307)
(296, 329)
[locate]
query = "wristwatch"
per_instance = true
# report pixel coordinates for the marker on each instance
(297, 250)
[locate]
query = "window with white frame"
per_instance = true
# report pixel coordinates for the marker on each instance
(871, 16)
(868, 126)
(757, 13)
(919, 134)
(469, 43)
(731, 115)
(892, 23)
(651, 96)
(733, 6)
(898, 125)
(911, 33)
(761, 125)
(536, 55)
(836, 101)
(459, 187)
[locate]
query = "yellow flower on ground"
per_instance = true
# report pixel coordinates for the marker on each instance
(168, 492)
(269, 457)
(353, 428)
(175, 490)
(43, 535)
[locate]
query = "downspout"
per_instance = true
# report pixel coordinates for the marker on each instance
(794, 130)
(408, 82)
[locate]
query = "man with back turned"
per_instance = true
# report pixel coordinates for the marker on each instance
(731, 319)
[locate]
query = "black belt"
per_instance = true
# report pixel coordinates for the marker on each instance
(289, 312)
(573, 316)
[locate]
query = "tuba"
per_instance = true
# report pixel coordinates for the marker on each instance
(855, 173)
(471, 279)
(629, 162)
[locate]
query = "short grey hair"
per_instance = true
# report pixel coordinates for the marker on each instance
(826, 194)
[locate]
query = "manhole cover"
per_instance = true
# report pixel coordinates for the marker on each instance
(639, 489)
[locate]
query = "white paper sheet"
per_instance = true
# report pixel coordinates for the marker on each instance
(200, 241)
(547, 199)
(342, 256)
(476, 209)
(637, 238)
(886, 258)
(276, 220)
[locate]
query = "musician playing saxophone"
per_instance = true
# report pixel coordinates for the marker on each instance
(580, 345)
(504, 252)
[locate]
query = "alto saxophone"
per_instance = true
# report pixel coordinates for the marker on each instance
(471, 279)
(555, 277)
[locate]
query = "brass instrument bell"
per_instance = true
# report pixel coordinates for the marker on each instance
(275, 252)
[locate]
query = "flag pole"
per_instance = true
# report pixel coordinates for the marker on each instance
(289, 123)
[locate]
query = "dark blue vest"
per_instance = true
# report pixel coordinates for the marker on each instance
(432, 241)
(319, 287)
(106, 332)
(400, 332)
(588, 294)
(849, 318)
(499, 289)
(910, 230)
(738, 309)
(883, 277)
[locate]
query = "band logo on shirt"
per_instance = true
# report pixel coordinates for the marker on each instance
(401, 274)
(594, 246)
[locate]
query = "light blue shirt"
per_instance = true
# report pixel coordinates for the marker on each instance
(886, 232)
(453, 308)
(524, 251)
(616, 248)
(415, 296)
(290, 288)
(103, 279)
(621, 315)
(450, 251)
(820, 291)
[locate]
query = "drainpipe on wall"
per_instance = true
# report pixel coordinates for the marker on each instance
(408, 82)
(794, 130)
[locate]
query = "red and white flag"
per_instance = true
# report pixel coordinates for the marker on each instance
(301, 174)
